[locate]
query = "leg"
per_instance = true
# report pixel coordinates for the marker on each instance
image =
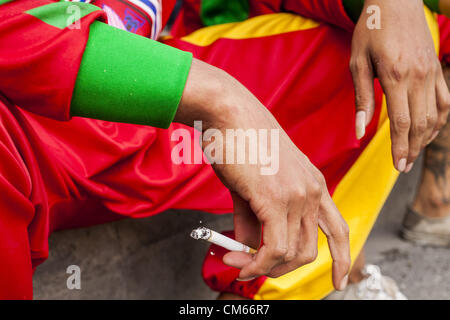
(428, 220)
(433, 196)
(356, 274)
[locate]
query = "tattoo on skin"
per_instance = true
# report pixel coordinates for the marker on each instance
(437, 157)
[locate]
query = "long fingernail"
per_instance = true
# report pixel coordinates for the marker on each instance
(402, 165)
(435, 134)
(246, 279)
(409, 167)
(343, 283)
(360, 124)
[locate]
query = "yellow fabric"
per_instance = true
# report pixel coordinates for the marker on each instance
(260, 26)
(359, 196)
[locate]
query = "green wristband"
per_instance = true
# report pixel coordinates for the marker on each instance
(127, 78)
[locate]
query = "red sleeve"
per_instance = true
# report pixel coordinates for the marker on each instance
(328, 11)
(444, 28)
(39, 56)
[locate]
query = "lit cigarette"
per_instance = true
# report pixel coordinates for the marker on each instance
(219, 239)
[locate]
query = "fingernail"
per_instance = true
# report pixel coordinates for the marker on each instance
(343, 283)
(246, 279)
(435, 134)
(409, 167)
(402, 165)
(360, 124)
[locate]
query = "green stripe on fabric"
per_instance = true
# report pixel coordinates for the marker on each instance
(127, 78)
(213, 12)
(5, 1)
(62, 14)
(433, 5)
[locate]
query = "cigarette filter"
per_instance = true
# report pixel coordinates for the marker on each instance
(219, 239)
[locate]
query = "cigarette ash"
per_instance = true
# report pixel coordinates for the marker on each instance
(201, 233)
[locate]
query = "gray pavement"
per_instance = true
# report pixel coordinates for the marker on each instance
(154, 258)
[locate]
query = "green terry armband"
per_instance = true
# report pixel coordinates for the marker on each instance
(127, 78)
(433, 5)
(353, 8)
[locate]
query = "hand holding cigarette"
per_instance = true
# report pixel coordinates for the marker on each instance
(290, 204)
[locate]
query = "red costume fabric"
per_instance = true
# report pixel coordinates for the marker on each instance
(56, 175)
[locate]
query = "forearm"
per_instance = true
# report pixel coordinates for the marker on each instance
(214, 97)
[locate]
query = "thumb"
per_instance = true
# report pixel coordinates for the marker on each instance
(363, 77)
(247, 228)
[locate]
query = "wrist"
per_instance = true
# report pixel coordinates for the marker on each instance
(208, 97)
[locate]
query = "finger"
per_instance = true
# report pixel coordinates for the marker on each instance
(294, 225)
(418, 105)
(432, 111)
(247, 230)
(398, 111)
(237, 259)
(300, 206)
(443, 101)
(307, 249)
(306, 244)
(274, 248)
(362, 74)
(336, 230)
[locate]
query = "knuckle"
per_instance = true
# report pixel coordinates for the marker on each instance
(360, 98)
(260, 271)
(446, 105)
(310, 256)
(275, 275)
(321, 180)
(316, 191)
(275, 197)
(344, 262)
(342, 232)
(401, 151)
(419, 126)
(402, 121)
(440, 123)
(422, 68)
(432, 120)
(398, 72)
(279, 253)
(299, 194)
(413, 154)
(358, 65)
(290, 256)
(345, 230)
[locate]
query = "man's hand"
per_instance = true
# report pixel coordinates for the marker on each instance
(289, 205)
(402, 55)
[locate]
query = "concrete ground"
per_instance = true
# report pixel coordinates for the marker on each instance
(154, 258)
